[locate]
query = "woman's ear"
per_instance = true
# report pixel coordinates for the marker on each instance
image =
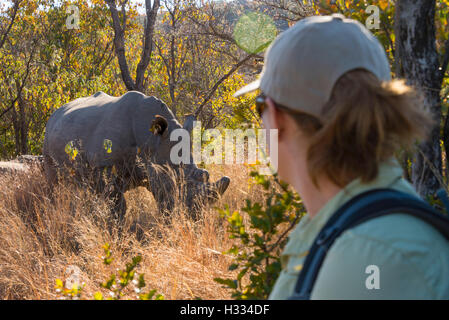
(267, 115)
(277, 119)
(273, 118)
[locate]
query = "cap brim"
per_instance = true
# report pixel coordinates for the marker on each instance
(248, 88)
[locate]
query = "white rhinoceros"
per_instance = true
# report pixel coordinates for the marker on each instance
(128, 138)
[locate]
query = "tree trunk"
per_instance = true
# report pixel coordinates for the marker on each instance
(417, 58)
(151, 12)
(23, 126)
(119, 43)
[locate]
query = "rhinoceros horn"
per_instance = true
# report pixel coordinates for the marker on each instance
(212, 191)
(222, 184)
(188, 122)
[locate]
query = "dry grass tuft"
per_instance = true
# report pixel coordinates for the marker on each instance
(43, 233)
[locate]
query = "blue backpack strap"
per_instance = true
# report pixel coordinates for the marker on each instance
(368, 205)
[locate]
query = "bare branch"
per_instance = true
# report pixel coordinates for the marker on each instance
(151, 13)
(119, 45)
(215, 87)
(13, 17)
(445, 63)
(292, 10)
(119, 42)
(123, 5)
(22, 85)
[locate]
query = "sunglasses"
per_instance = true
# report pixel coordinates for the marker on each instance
(260, 104)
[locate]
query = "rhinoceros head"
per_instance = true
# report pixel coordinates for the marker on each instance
(171, 186)
(169, 181)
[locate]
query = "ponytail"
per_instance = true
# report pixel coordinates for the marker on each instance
(363, 124)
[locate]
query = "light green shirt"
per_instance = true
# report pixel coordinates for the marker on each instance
(411, 257)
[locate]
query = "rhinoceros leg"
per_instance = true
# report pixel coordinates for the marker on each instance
(119, 205)
(161, 184)
(110, 183)
(50, 170)
(164, 194)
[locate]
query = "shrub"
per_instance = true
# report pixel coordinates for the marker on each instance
(115, 285)
(261, 238)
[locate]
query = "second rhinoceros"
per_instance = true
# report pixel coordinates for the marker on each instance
(127, 139)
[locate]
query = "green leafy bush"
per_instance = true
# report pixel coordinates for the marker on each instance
(261, 239)
(116, 285)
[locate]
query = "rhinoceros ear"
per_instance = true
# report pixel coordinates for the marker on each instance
(159, 125)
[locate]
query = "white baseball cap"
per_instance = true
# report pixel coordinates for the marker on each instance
(304, 62)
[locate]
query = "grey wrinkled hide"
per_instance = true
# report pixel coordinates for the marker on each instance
(139, 157)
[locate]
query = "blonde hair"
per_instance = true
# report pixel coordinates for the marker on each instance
(363, 124)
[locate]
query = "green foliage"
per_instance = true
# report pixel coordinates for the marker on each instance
(45, 64)
(436, 203)
(261, 238)
(53, 65)
(357, 10)
(117, 285)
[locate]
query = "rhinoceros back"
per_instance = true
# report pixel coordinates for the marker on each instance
(101, 127)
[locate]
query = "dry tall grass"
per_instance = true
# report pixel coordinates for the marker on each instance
(41, 238)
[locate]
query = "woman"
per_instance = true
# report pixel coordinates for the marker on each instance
(326, 88)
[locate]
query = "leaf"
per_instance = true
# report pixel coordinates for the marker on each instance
(59, 283)
(298, 267)
(98, 295)
(241, 274)
(228, 282)
(137, 260)
(383, 4)
(107, 145)
(71, 150)
(151, 294)
(233, 266)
